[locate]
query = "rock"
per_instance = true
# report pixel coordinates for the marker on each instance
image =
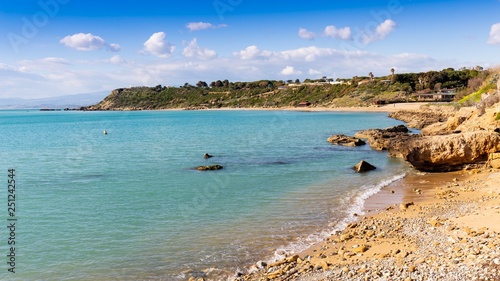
(449, 152)
(435, 223)
(345, 140)
(320, 264)
(345, 237)
(404, 206)
(422, 117)
(381, 139)
(275, 274)
(209, 168)
(360, 249)
(495, 164)
(292, 258)
(363, 166)
(261, 264)
(206, 156)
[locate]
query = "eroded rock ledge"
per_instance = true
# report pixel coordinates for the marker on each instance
(455, 140)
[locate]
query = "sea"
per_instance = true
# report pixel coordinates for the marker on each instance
(130, 205)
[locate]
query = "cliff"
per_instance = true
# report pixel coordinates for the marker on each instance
(451, 139)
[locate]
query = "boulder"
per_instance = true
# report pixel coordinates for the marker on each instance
(495, 161)
(363, 166)
(382, 139)
(449, 152)
(209, 168)
(345, 140)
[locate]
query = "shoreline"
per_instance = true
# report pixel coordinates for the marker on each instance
(372, 108)
(415, 228)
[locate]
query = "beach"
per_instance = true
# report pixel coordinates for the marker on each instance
(446, 227)
(427, 226)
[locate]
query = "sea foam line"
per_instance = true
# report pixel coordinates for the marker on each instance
(353, 204)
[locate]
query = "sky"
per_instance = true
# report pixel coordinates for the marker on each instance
(61, 47)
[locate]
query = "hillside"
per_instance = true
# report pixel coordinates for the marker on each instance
(358, 91)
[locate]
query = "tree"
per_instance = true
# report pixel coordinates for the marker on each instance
(297, 81)
(201, 84)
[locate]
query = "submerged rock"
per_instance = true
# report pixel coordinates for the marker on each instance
(345, 140)
(209, 168)
(206, 156)
(363, 166)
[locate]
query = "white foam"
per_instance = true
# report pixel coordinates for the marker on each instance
(353, 204)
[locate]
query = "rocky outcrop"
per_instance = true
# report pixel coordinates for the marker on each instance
(209, 168)
(449, 152)
(363, 167)
(345, 140)
(422, 118)
(382, 139)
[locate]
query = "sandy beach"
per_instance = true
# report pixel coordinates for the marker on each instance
(427, 226)
(442, 226)
(374, 108)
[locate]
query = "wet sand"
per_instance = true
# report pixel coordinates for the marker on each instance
(441, 226)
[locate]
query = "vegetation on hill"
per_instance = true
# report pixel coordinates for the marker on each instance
(358, 91)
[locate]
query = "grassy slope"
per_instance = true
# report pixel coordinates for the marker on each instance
(271, 94)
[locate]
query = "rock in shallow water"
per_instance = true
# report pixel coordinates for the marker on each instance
(345, 140)
(209, 168)
(363, 166)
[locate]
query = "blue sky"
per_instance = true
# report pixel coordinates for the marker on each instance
(61, 47)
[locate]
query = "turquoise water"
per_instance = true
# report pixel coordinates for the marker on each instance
(129, 206)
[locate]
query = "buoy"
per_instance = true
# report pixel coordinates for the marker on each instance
(105, 132)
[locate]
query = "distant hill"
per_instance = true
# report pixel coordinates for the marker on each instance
(358, 91)
(60, 102)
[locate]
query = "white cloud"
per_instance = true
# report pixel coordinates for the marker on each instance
(290, 70)
(192, 50)
(116, 59)
(114, 47)
(381, 32)
(494, 34)
(305, 34)
(338, 33)
(195, 26)
(252, 52)
(314, 72)
(157, 45)
(88, 42)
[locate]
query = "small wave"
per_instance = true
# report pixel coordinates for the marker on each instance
(353, 204)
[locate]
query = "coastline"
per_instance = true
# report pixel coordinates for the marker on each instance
(440, 225)
(374, 108)
(426, 226)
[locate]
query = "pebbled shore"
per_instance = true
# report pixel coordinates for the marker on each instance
(446, 228)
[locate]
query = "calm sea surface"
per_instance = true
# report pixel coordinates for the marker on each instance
(129, 206)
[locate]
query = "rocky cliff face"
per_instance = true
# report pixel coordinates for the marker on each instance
(449, 152)
(450, 139)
